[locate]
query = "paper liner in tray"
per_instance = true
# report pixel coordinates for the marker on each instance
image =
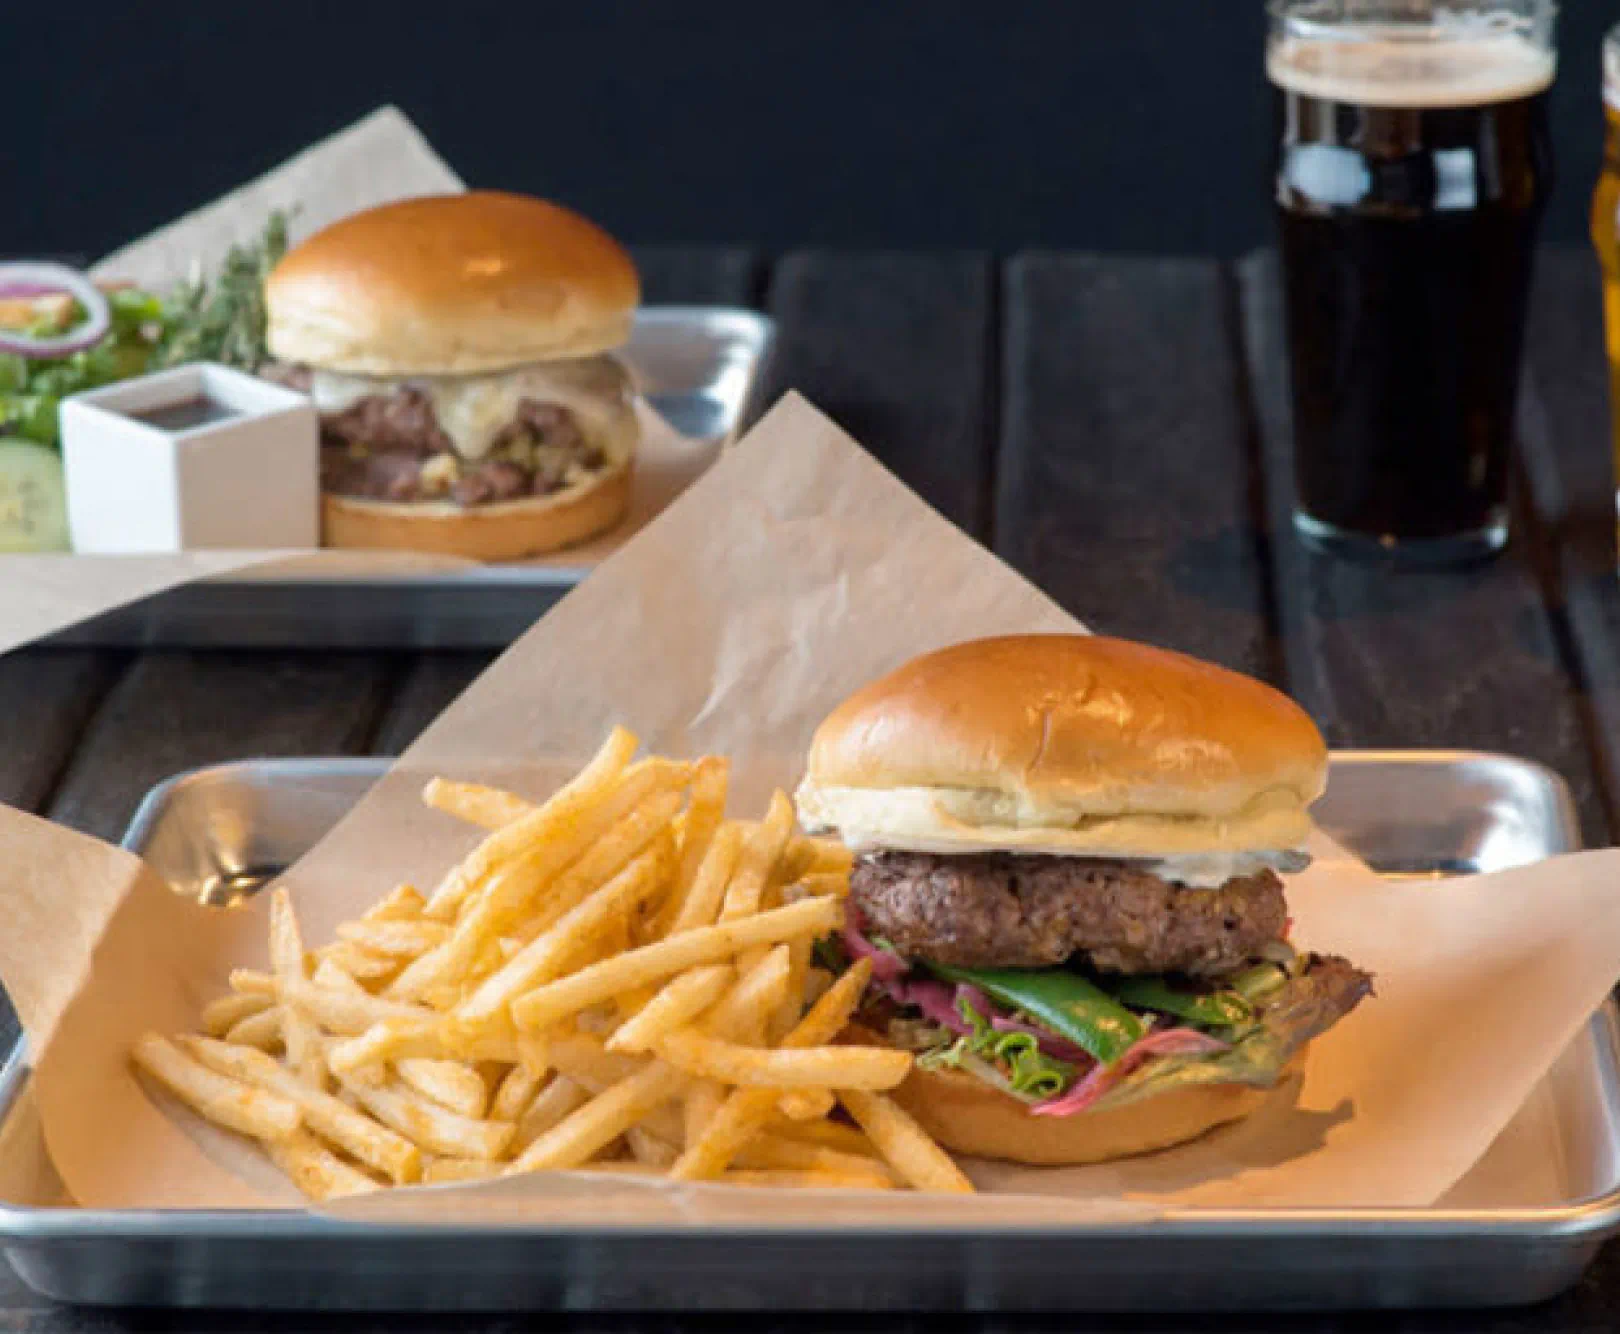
(794, 571)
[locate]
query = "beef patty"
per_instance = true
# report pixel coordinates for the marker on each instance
(1004, 910)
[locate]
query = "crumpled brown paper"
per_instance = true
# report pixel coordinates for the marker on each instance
(794, 571)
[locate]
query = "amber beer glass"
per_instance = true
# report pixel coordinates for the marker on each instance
(1413, 165)
(1606, 226)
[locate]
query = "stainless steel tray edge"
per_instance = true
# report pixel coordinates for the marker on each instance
(1352, 1257)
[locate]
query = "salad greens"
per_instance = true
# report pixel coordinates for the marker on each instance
(1066, 1003)
(1207, 1009)
(220, 320)
(1018, 1063)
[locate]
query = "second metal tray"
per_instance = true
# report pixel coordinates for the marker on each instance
(1497, 1239)
(699, 368)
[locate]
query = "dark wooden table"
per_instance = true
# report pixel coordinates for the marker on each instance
(1115, 428)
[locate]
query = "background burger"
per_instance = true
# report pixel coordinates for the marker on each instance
(1066, 875)
(456, 349)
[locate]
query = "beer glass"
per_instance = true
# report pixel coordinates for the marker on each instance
(1413, 165)
(1606, 226)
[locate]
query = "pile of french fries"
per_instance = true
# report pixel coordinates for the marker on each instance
(617, 980)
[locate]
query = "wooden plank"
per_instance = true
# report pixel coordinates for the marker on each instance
(47, 697)
(699, 276)
(1126, 473)
(177, 710)
(433, 681)
(1454, 658)
(1570, 476)
(896, 348)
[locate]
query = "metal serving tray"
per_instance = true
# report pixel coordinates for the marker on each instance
(1496, 1240)
(699, 367)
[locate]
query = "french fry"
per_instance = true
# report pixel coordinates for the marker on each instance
(220, 1016)
(701, 904)
(420, 1039)
(511, 887)
(456, 1087)
(401, 903)
(262, 1030)
(549, 1004)
(702, 1101)
(578, 1137)
(648, 1148)
(584, 790)
(430, 1125)
(350, 1012)
(394, 939)
(315, 1169)
(746, 1109)
(443, 1171)
(809, 1067)
(832, 884)
(825, 1134)
(251, 982)
(780, 1153)
(808, 1104)
(785, 1015)
(360, 1137)
(778, 1179)
(830, 855)
(218, 1098)
(548, 954)
(584, 1059)
(555, 1101)
(680, 1001)
(758, 859)
(905, 1145)
(331, 974)
(358, 965)
(514, 1093)
(702, 821)
(287, 963)
(488, 807)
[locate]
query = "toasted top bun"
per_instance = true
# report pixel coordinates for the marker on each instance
(451, 285)
(1065, 744)
(967, 1116)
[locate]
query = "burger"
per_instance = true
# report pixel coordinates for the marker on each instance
(457, 348)
(1068, 878)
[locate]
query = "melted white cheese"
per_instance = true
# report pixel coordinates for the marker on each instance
(473, 409)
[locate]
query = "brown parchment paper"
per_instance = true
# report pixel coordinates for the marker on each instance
(379, 158)
(793, 571)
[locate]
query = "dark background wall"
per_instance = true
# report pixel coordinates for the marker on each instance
(1137, 125)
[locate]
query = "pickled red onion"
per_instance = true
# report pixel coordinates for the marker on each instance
(38, 279)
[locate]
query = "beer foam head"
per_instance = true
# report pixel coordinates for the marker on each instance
(1390, 65)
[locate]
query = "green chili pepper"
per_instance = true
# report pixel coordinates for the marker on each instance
(1212, 1009)
(1065, 1002)
(1261, 980)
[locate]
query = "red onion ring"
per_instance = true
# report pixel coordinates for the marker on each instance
(29, 280)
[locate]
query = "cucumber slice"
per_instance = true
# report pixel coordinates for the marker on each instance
(33, 500)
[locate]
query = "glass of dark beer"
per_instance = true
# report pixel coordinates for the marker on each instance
(1413, 165)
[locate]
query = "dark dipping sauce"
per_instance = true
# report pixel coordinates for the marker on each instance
(186, 415)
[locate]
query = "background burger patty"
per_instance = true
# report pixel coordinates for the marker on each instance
(1001, 910)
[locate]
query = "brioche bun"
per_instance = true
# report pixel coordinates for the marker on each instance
(505, 530)
(451, 285)
(1065, 744)
(968, 1116)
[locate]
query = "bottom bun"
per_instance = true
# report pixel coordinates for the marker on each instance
(506, 530)
(968, 1116)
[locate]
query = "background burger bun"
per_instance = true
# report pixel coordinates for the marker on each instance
(506, 530)
(968, 1116)
(1110, 746)
(451, 285)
